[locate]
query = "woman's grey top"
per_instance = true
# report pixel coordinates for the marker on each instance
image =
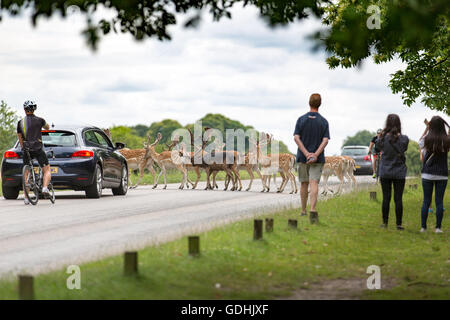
(393, 162)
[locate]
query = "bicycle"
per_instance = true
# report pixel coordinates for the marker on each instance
(32, 181)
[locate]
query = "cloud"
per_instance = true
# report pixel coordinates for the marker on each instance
(241, 68)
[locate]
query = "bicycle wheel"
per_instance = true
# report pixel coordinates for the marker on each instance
(30, 189)
(51, 192)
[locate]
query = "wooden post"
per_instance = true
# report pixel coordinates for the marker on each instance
(292, 223)
(313, 217)
(373, 195)
(130, 266)
(269, 225)
(26, 290)
(257, 229)
(194, 246)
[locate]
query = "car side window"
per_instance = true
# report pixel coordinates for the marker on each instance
(90, 138)
(102, 140)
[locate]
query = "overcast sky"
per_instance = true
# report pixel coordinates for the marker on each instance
(240, 68)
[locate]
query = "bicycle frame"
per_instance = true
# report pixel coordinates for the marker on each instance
(37, 178)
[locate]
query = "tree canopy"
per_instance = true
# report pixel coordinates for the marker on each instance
(361, 138)
(415, 31)
(135, 136)
(8, 123)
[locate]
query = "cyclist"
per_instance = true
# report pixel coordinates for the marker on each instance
(30, 138)
(376, 154)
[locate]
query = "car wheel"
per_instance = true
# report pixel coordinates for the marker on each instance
(94, 191)
(10, 193)
(123, 188)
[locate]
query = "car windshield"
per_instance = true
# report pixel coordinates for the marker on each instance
(58, 139)
(354, 152)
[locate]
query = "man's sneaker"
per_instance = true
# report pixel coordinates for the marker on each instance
(45, 191)
(430, 210)
(439, 230)
(423, 230)
(25, 200)
(303, 214)
(400, 228)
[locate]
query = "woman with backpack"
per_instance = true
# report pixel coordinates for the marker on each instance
(392, 172)
(434, 145)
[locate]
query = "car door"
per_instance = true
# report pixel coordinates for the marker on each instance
(101, 153)
(114, 163)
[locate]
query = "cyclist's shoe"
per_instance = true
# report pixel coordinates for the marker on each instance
(45, 192)
(374, 175)
(25, 200)
(430, 210)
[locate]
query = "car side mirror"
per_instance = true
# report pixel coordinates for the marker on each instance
(120, 145)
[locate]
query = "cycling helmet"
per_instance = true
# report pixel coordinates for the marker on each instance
(29, 105)
(379, 131)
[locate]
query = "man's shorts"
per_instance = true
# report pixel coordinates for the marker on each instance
(40, 156)
(307, 172)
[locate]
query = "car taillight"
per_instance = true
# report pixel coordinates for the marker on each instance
(11, 155)
(367, 158)
(83, 154)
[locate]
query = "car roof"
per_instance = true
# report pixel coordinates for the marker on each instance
(72, 127)
(355, 147)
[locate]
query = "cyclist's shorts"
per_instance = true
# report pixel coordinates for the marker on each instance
(40, 156)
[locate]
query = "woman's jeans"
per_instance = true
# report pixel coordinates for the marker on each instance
(386, 186)
(427, 186)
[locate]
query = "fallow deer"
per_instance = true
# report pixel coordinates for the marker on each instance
(139, 159)
(169, 160)
(273, 163)
(333, 165)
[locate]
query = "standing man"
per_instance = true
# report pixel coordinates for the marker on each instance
(311, 136)
(30, 138)
(376, 154)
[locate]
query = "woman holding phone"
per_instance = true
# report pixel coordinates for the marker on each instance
(434, 145)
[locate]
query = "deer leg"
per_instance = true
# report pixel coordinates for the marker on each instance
(227, 180)
(250, 173)
(341, 179)
(157, 180)
(165, 178)
(215, 186)
(325, 182)
(141, 173)
(152, 171)
(197, 172)
(267, 182)
(238, 178)
(283, 178)
(130, 172)
(289, 174)
(232, 178)
(215, 183)
(208, 184)
(261, 177)
(286, 179)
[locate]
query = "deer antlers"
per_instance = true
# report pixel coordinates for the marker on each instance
(174, 142)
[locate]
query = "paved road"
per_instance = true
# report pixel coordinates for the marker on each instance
(76, 229)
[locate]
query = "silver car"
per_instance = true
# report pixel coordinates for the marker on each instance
(361, 156)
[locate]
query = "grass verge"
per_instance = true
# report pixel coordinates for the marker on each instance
(233, 266)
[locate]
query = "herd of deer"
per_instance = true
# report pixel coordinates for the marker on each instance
(265, 165)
